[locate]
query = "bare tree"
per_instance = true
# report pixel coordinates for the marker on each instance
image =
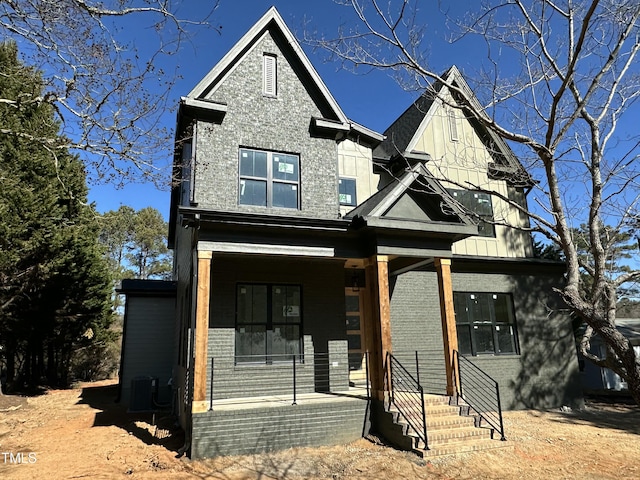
(109, 92)
(559, 79)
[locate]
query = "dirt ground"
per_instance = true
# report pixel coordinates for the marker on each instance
(81, 433)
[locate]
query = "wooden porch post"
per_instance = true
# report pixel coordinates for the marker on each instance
(202, 330)
(378, 326)
(449, 331)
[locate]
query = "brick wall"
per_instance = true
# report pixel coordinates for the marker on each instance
(323, 323)
(545, 372)
(279, 124)
(261, 429)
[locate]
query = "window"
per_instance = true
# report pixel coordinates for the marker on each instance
(268, 322)
(480, 204)
(347, 191)
(485, 323)
(269, 179)
(269, 75)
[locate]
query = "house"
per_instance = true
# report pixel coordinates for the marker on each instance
(320, 265)
(599, 379)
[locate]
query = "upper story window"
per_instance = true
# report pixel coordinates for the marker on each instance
(269, 179)
(485, 323)
(269, 75)
(480, 204)
(347, 191)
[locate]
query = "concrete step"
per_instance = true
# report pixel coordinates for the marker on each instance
(455, 448)
(435, 422)
(430, 410)
(438, 438)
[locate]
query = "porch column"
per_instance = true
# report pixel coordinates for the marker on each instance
(378, 325)
(449, 332)
(203, 293)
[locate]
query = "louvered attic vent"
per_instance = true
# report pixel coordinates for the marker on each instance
(269, 75)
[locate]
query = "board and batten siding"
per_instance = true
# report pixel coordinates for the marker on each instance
(465, 161)
(149, 346)
(355, 162)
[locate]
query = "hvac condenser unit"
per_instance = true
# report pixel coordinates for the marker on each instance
(143, 392)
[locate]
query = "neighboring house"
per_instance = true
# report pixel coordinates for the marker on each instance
(303, 240)
(596, 378)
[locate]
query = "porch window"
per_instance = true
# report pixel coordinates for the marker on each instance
(347, 191)
(485, 323)
(480, 204)
(268, 322)
(269, 179)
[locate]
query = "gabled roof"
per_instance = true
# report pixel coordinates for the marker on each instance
(273, 22)
(404, 133)
(416, 201)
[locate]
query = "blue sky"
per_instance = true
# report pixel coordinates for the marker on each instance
(373, 99)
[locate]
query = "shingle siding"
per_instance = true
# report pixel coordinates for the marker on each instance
(278, 124)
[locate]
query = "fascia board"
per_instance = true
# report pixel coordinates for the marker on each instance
(437, 103)
(401, 186)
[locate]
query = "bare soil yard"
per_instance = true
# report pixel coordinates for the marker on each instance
(81, 433)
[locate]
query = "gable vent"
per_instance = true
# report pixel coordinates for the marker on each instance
(269, 75)
(453, 125)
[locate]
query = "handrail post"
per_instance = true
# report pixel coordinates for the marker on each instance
(457, 357)
(294, 379)
(211, 388)
(424, 419)
(366, 371)
(502, 437)
(417, 368)
(390, 379)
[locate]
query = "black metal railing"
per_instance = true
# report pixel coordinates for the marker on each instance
(479, 391)
(427, 367)
(407, 396)
(287, 376)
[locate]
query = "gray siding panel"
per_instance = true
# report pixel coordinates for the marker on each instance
(149, 343)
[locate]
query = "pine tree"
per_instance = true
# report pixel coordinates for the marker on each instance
(54, 284)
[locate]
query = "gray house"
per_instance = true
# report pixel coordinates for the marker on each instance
(329, 281)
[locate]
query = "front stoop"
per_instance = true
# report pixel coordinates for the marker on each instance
(451, 429)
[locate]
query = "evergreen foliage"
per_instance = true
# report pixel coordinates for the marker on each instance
(54, 281)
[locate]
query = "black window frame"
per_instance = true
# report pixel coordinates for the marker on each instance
(342, 191)
(270, 178)
(467, 324)
(470, 201)
(268, 357)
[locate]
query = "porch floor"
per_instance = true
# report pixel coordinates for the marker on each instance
(237, 403)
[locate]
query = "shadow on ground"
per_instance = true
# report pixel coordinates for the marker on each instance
(152, 430)
(606, 412)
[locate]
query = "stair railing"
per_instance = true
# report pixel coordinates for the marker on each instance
(479, 391)
(405, 392)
